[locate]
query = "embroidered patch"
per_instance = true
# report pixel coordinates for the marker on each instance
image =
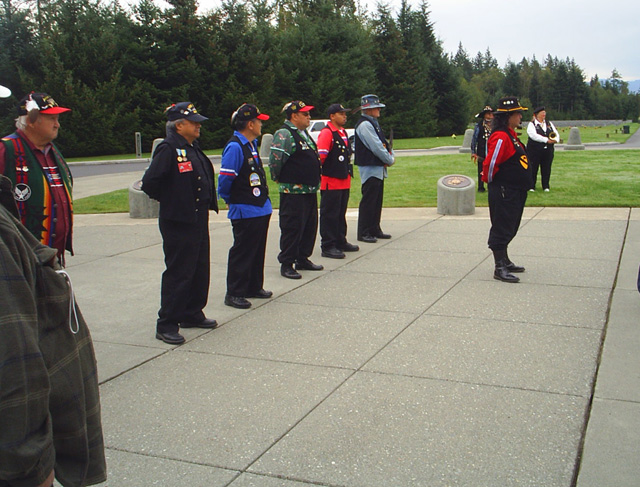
(21, 192)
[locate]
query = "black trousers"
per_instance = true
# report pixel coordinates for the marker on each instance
(541, 158)
(185, 281)
(298, 226)
(333, 220)
(506, 205)
(245, 268)
(370, 210)
(480, 161)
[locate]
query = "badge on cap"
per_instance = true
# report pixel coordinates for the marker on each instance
(256, 192)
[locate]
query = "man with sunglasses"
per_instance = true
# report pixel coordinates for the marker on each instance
(295, 166)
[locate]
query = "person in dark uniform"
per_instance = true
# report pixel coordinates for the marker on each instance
(506, 170)
(481, 134)
(373, 156)
(540, 147)
(335, 156)
(243, 185)
(295, 166)
(181, 178)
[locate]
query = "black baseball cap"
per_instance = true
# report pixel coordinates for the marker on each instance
(335, 108)
(247, 112)
(186, 110)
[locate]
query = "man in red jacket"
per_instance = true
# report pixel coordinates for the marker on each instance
(335, 156)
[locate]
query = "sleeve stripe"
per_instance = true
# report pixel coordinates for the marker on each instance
(493, 160)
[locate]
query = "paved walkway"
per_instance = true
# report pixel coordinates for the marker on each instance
(404, 364)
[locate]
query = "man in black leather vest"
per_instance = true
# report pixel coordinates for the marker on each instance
(335, 154)
(295, 166)
(243, 185)
(373, 156)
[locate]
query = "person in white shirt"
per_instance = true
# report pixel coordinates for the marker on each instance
(540, 147)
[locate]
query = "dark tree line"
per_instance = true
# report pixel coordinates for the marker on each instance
(557, 84)
(117, 69)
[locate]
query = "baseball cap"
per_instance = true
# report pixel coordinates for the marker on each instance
(247, 112)
(335, 108)
(41, 102)
(185, 110)
(296, 106)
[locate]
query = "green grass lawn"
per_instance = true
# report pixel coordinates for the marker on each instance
(578, 178)
(610, 133)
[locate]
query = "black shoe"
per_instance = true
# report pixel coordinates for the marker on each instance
(262, 294)
(307, 265)
(367, 239)
(287, 270)
(206, 323)
(333, 253)
(236, 302)
(511, 267)
(481, 189)
(348, 247)
(385, 236)
(174, 338)
(502, 274)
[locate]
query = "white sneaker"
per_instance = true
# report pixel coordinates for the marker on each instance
(546, 190)
(532, 191)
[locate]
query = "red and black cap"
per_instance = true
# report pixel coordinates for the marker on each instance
(296, 106)
(41, 102)
(247, 112)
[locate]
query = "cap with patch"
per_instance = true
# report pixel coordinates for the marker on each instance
(41, 102)
(486, 109)
(296, 106)
(184, 110)
(247, 112)
(336, 108)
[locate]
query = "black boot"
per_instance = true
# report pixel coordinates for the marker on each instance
(502, 272)
(511, 267)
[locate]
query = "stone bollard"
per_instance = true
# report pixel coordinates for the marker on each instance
(574, 142)
(466, 142)
(265, 146)
(140, 205)
(456, 195)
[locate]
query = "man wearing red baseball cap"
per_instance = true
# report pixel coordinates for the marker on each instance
(42, 182)
(295, 166)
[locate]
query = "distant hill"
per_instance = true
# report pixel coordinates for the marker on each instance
(634, 86)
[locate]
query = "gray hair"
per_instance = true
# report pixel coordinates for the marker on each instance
(171, 125)
(21, 122)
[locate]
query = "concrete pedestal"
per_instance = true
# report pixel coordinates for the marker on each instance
(466, 142)
(456, 195)
(575, 141)
(140, 205)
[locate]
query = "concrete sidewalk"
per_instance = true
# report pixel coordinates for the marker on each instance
(404, 364)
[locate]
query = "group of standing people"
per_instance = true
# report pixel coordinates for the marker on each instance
(181, 178)
(542, 136)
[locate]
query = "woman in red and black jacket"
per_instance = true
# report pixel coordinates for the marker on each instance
(506, 170)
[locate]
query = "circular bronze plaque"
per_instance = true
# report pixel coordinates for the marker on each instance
(456, 181)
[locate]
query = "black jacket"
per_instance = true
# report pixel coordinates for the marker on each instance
(181, 178)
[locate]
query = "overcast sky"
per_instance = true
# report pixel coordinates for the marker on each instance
(599, 35)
